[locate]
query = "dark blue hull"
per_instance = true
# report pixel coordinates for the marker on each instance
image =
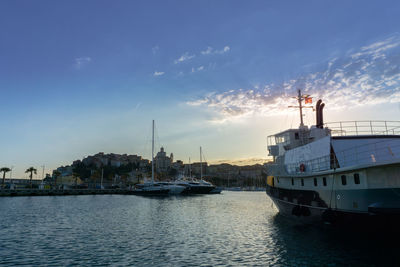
(313, 206)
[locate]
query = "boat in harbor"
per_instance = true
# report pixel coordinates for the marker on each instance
(174, 189)
(194, 186)
(151, 188)
(335, 171)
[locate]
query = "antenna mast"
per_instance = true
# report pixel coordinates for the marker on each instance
(300, 99)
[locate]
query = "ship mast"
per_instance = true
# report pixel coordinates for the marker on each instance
(300, 99)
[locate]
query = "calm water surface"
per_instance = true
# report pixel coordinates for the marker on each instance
(231, 229)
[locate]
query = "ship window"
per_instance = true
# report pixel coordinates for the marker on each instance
(302, 182)
(344, 182)
(356, 178)
(315, 182)
(292, 181)
(296, 135)
(324, 181)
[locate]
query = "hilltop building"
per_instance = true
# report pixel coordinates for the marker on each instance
(162, 162)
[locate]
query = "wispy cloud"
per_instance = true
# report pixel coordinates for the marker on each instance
(184, 57)
(240, 162)
(368, 76)
(155, 49)
(158, 73)
(198, 69)
(224, 50)
(211, 50)
(208, 51)
(80, 62)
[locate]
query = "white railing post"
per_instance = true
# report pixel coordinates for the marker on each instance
(356, 127)
(370, 125)
(386, 128)
(341, 130)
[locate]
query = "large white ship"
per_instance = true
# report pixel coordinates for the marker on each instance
(333, 171)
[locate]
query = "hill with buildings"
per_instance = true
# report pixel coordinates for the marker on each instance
(122, 169)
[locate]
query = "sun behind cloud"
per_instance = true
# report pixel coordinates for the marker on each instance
(368, 76)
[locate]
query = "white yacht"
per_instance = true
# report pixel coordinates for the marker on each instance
(333, 171)
(194, 186)
(174, 189)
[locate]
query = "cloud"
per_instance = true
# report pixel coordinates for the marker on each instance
(80, 62)
(368, 76)
(155, 49)
(198, 69)
(239, 162)
(210, 50)
(184, 57)
(226, 49)
(158, 73)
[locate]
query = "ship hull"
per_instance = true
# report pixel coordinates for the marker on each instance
(383, 205)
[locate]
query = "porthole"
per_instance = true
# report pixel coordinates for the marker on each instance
(302, 182)
(292, 181)
(324, 181)
(315, 182)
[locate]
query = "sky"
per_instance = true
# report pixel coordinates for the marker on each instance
(82, 77)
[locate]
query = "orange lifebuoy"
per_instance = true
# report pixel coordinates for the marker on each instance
(302, 167)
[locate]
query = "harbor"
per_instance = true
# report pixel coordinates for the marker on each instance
(200, 133)
(231, 229)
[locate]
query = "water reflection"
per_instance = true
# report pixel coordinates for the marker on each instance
(326, 245)
(232, 229)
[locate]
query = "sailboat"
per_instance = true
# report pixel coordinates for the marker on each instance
(151, 188)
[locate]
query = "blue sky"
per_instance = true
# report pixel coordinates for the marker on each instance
(79, 77)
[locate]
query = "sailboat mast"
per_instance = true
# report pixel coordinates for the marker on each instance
(152, 155)
(190, 169)
(299, 98)
(201, 165)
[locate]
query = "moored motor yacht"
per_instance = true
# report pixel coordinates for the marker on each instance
(195, 187)
(174, 189)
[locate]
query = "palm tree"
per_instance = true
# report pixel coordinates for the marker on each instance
(56, 174)
(4, 170)
(32, 171)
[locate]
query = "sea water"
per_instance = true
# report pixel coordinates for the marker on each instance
(230, 229)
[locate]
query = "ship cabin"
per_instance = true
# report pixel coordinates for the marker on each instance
(292, 138)
(335, 145)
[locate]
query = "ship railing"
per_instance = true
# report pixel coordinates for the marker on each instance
(345, 128)
(371, 153)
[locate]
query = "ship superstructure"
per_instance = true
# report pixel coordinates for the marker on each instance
(331, 170)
